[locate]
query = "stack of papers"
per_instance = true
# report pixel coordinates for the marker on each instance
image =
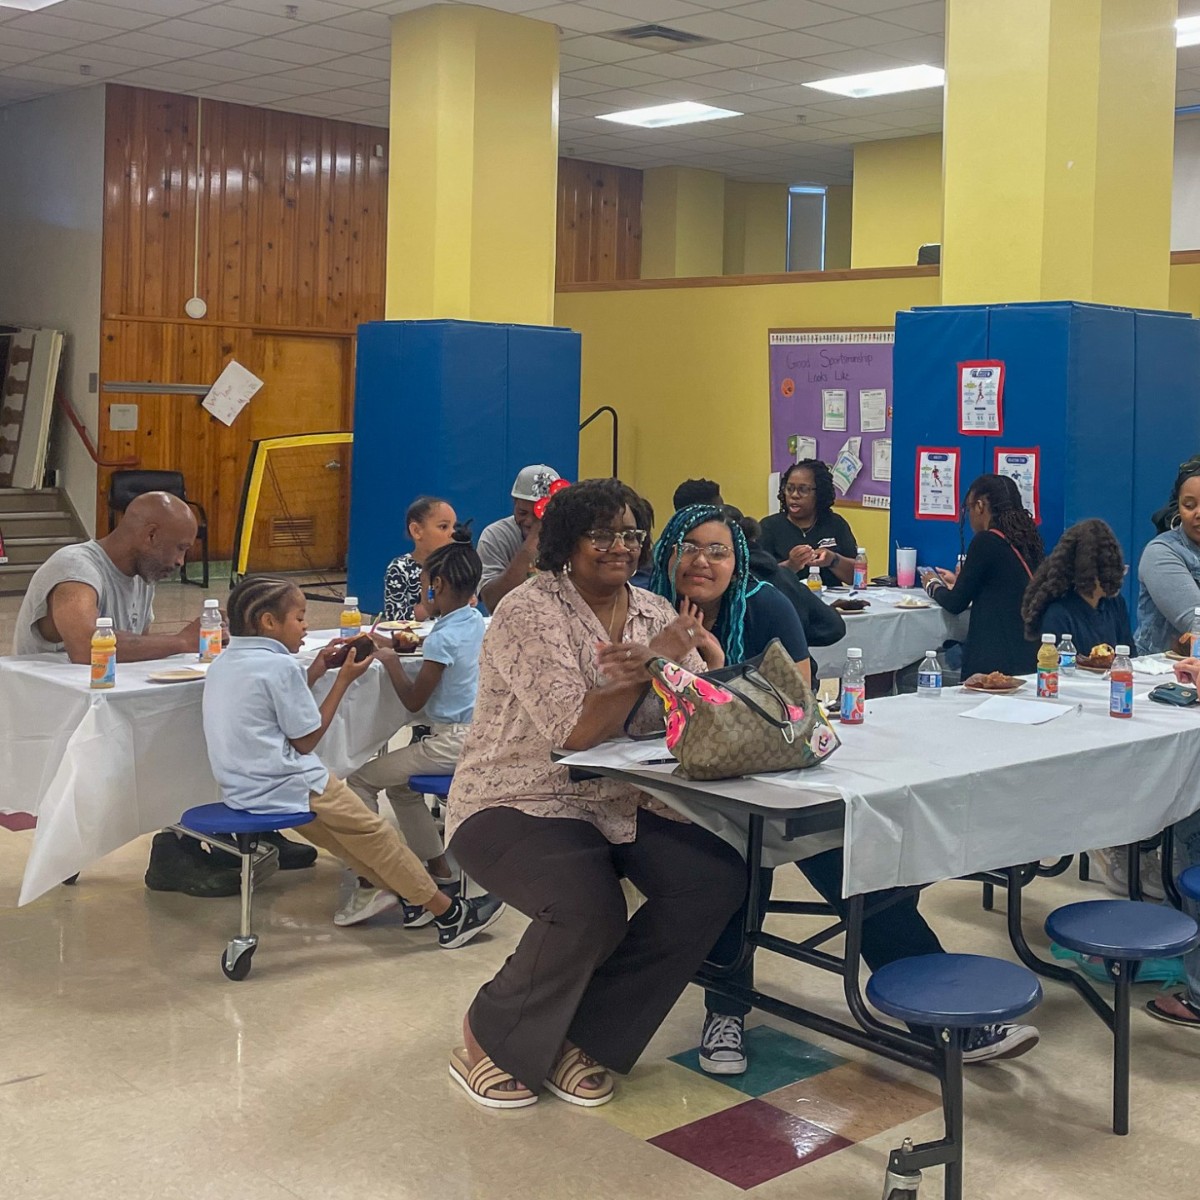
(1011, 711)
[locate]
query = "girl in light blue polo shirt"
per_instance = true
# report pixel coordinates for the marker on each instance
(445, 688)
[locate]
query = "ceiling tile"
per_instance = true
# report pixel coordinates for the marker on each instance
(689, 89)
(165, 79)
(239, 60)
(319, 77)
(859, 31)
(727, 54)
(928, 18)
(307, 10)
(646, 11)
(569, 86)
(724, 26)
(215, 37)
(853, 62)
(376, 25)
(312, 106)
(791, 44)
(671, 66)
(854, 125)
(370, 116)
(601, 50)
(362, 64)
(198, 73)
(797, 71)
(790, 14)
(330, 37)
(162, 8)
(614, 76)
(31, 72)
(869, 8)
(172, 47)
(353, 96)
(125, 56)
(27, 40)
(71, 63)
(930, 49)
(737, 81)
(241, 93)
(281, 52)
(44, 22)
(578, 18)
(253, 24)
(109, 15)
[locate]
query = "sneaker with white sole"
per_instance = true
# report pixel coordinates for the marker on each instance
(990, 1043)
(417, 916)
(1150, 874)
(364, 903)
(475, 914)
(722, 1045)
(1110, 867)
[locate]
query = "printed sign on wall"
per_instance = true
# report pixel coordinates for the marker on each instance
(981, 397)
(937, 483)
(1021, 466)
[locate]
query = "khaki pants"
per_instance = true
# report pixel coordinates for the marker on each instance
(366, 843)
(435, 755)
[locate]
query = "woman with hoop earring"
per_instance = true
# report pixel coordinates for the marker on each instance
(1169, 572)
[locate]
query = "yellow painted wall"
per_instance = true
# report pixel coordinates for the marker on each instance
(897, 200)
(1185, 288)
(687, 370)
(839, 202)
(756, 228)
(683, 222)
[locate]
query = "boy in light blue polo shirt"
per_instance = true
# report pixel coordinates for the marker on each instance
(445, 688)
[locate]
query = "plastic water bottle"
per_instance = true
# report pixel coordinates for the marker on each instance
(854, 689)
(1066, 655)
(814, 579)
(860, 568)
(1194, 647)
(351, 619)
(210, 631)
(1047, 667)
(929, 676)
(104, 654)
(1120, 685)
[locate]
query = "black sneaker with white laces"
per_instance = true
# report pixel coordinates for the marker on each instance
(722, 1048)
(466, 917)
(989, 1043)
(417, 916)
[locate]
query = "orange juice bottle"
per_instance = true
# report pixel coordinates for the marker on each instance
(1047, 667)
(351, 619)
(1120, 685)
(104, 654)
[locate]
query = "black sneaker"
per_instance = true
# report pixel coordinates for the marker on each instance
(722, 1048)
(475, 914)
(417, 916)
(181, 865)
(293, 856)
(988, 1043)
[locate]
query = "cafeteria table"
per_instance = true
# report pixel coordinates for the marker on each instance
(100, 768)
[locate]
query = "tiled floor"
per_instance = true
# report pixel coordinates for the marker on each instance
(130, 1069)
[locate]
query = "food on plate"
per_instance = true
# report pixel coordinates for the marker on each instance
(398, 626)
(912, 602)
(1100, 658)
(849, 605)
(994, 681)
(405, 641)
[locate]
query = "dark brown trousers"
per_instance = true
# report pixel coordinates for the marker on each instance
(584, 971)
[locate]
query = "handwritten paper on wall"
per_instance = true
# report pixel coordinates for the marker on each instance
(231, 393)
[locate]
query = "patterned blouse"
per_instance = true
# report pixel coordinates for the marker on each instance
(537, 664)
(401, 588)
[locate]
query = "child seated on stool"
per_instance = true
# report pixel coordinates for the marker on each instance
(263, 725)
(445, 688)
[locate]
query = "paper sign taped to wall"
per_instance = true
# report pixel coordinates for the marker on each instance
(231, 393)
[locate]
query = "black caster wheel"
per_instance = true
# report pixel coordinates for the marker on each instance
(72, 881)
(239, 968)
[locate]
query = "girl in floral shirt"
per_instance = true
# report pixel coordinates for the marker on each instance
(430, 522)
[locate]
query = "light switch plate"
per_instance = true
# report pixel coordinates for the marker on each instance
(123, 418)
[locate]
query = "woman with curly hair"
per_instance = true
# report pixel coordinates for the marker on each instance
(562, 666)
(1000, 562)
(805, 520)
(1077, 590)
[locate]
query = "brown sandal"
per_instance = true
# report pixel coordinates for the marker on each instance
(567, 1079)
(486, 1083)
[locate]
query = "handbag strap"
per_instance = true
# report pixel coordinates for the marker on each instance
(1020, 556)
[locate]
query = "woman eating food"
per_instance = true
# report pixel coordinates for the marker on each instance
(1000, 562)
(562, 666)
(1169, 572)
(806, 532)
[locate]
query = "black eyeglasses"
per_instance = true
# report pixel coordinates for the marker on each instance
(798, 489)
(605, 539)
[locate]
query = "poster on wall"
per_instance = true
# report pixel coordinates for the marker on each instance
(831, 400)
(981, 397)
(1021, 465)
(937, 483)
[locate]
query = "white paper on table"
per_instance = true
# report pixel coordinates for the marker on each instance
(800, 448)
(231, 393)
(1153, 666)
(1011, 711)
(872, 410)
(621, 753)
(881, 460)
(833, 408)
(846, 470)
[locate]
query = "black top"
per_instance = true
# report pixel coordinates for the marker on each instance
(992, 584)
(823, 626)
(769, 615)
(1107, 623)
(779, 537)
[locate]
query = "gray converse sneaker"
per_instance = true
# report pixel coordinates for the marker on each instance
(722, 1050)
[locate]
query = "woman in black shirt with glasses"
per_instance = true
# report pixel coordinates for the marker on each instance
(805, 520)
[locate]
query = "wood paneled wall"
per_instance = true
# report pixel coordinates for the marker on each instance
(291, 259)
(599, 222)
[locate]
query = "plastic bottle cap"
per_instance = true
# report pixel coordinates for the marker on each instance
(351, 601)
(1049, 639)
(1122, 649)
(104, 622)
(854, 652)
(862, 549)
(212, 604)
(931, 654)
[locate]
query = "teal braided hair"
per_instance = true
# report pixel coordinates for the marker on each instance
(731, 621)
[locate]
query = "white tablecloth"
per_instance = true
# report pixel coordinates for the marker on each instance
(101, 768)
(890, 637)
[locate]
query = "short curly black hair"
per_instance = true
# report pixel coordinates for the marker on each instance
(589, 504)
(822, 481)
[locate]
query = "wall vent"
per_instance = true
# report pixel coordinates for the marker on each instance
(293, 531)
(659, 37)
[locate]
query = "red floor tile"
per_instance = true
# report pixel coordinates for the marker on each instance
(750, 1143)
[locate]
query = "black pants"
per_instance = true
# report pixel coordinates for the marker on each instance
(899, 931)
(584, 971)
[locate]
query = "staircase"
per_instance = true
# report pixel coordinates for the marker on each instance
(34, 524)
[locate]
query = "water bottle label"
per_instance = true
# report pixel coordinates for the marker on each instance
(929, 681)
(860, 577)
(350, 629)
(210, 644)
(853, 707)
(1120, 698)
(104, 668)
(1066, 660)
(1047, 682)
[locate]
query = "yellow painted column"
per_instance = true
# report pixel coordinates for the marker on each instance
(839, 205)
(1058, 147)
(683, 222)
(473, 170)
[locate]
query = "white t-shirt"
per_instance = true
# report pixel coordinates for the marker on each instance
(128, 599)
(498, 546)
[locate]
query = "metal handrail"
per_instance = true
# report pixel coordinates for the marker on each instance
(612, 412)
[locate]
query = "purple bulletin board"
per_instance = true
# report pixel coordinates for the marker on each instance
(807, 362)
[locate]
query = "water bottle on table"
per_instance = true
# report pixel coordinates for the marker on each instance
(814, 579)
(860, 568)
(210, 631)
(351, 619)
(1194, 636)
(1067, 655)
(104, 654)
(1120, 685)
(854, 689)
(1047, 667)
(929, 676)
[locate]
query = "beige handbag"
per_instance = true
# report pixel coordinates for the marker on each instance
(744, 719)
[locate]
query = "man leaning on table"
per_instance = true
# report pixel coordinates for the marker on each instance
(115, 577)
(508, 548)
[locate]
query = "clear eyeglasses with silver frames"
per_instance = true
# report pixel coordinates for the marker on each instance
(605, 539)
(714, 551)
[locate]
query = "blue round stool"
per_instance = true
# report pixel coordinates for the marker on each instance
(952, 993)
(1122, 933)
(1189, 883)
(431, 785)
(216, 822)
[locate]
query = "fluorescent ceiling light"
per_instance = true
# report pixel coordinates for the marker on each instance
(1187, 31)
(28, 5)
(883, 83)
(684, 113)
